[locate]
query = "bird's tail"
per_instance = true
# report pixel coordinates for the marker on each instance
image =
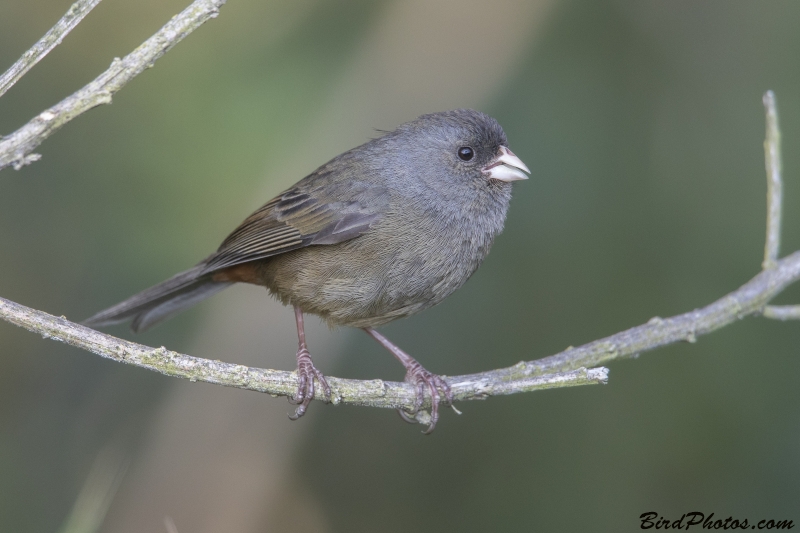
(161, 301)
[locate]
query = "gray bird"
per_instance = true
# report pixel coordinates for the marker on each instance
(380, 232)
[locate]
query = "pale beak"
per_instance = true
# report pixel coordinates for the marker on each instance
(506, 167)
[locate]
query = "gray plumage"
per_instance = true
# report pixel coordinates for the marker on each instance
(380, 232)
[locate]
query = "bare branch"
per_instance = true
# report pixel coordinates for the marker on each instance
(749, 299)
(568, 368)
(15, 149)
(51, 39)
(772, 159)
(375, 393)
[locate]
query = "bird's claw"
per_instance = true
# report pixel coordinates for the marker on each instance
(417, 375)
(306, 372)
(406, 417)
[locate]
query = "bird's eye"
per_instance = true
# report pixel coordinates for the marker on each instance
(465, 153)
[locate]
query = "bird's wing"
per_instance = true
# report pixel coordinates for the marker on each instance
(299, 218)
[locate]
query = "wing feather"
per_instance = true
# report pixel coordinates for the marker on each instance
(298, 218)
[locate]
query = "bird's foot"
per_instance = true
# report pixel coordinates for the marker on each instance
(422, 379)
(306, 372)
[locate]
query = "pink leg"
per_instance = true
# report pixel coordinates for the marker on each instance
(417, 375)
(306, 372)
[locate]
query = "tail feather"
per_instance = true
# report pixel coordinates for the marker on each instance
(161, 301)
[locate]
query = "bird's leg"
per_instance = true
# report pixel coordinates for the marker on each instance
(417, 375)
(306, 372)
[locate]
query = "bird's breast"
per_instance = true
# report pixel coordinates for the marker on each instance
(411, 259)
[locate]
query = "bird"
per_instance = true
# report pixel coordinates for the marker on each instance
(380, 232)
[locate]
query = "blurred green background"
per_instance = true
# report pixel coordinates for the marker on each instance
(643, 126)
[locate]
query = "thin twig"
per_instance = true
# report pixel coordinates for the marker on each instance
(375, 393)
(51, 39)
(772, 160)
(774, 164)
(782, 312)
(16, 149)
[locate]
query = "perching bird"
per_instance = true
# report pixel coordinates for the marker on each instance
(380, 232)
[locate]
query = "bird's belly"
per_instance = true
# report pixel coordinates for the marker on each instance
(361, 283)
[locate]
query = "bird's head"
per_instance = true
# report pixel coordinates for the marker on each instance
(458, 147)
